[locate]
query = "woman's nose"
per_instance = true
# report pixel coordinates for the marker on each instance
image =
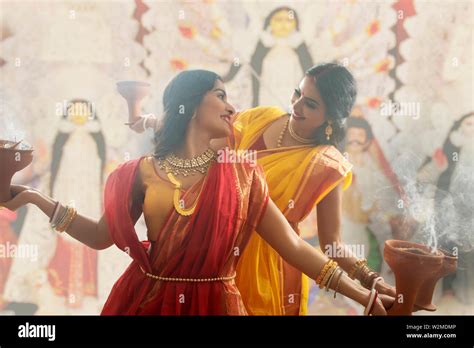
(230, 109)
(296, 104)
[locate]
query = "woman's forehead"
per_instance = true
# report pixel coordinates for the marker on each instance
(219, 84)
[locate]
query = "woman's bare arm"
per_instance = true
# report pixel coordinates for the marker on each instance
(329, 213)
(88, 231)
(92, 233)
(277, 232)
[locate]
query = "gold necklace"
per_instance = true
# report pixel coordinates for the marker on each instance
(297, 137)
(282, 133)
(177, 202)
(174, 165)
(185, 167)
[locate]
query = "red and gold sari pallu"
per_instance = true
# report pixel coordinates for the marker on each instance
(206, 245)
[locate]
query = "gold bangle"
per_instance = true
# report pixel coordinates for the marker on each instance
(63, 218)
(323, 272)
(357, 265)
(328, 275)
(60, 220)
(71, 214)
(328, 284)
(69, 221)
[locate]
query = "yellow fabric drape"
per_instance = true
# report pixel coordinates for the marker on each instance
(298, 177)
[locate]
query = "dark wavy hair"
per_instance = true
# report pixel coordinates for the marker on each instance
(181, 98)
(338, 89)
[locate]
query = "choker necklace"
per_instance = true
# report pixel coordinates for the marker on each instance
(297, 137)
(174, 165)
(181, 166)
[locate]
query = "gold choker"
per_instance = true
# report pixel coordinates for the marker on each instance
(181, 166)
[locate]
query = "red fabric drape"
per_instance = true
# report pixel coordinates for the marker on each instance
(199, 246)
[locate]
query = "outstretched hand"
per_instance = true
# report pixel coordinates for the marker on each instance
(141, 123)
(22, 195)
(137, 125)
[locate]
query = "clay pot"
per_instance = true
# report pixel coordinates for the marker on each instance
(133, 92)
(12, 160)
(413, 265)
(425, 294)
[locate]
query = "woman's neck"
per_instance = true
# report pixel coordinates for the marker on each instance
(195, 143)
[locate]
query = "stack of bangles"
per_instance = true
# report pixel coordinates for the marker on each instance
(330, 271)
(61, 222)
(364, 274)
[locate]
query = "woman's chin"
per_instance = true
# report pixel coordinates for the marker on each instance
(222, 133)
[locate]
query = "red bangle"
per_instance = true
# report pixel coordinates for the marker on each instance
(373, 303)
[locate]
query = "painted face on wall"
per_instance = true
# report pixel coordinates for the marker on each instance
(79, 112)
(282, 23)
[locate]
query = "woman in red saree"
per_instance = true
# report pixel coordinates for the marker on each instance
(199, 221)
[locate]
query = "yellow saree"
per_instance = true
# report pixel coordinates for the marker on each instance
(298, 177)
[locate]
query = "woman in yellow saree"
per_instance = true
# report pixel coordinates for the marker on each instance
(303, 169)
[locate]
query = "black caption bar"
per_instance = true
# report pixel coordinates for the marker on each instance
(334, 330)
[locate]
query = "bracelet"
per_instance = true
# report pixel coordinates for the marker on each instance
(63, 219)
(328, 275)
(375, 281)
(331, 277)
(338, 281)
(55, 212)
(68, 221)
(373, 295)
(71, 214)
(356, 268)
(374, 301)
(59, 220)
(145, 119)
(323, 272)
(368, 277)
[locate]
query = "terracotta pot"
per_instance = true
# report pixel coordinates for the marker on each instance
(133, 92)
(425, 295)
(413, 265)
(12, 160)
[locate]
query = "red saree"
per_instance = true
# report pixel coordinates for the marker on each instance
(206, 244)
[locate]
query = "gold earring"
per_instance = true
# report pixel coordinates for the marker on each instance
(328, 131)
